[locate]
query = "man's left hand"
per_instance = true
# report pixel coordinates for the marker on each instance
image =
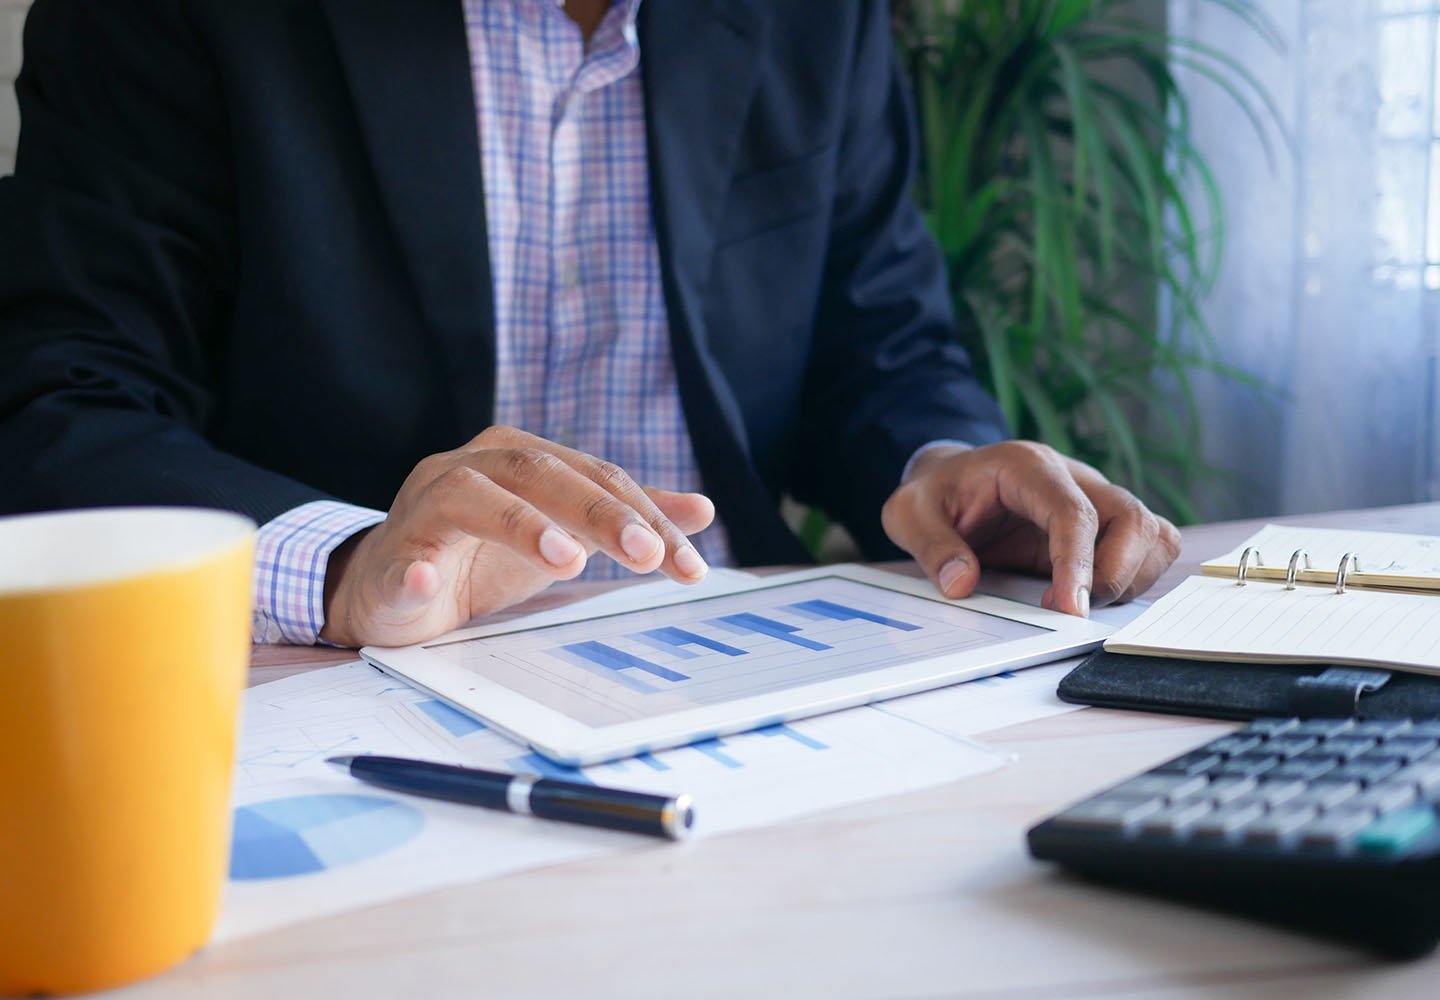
(1023, 506)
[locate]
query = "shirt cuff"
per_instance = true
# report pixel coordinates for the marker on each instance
(942, 443)
(291, 553)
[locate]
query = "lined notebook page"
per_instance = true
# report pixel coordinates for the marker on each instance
(1387, 559)
(1208, 618)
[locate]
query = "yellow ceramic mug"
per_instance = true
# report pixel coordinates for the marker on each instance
(123, 649)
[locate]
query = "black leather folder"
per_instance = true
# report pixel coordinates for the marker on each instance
(1253, 690)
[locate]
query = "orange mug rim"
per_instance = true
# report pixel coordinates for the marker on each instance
(190, 558)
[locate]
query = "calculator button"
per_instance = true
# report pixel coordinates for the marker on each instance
(1247, 765)
(1381, 728)
(1162, 786)
(1367, 772)
(1175, 818)
(1424, 776)
(1224, 790)
(1278, 824)
(1231, 745)
(1271, 727)
(1327, 795)
(1279, 791)
(1394, 832)
(1385, 797)
(1346, 747)
(1289, 746)
(1306, 769)
(1322, 727)
(1195, 762)
(1227, 819)
(1379, 756)
(1405, 748)
(1107, 814)
(1336, 827)
(1433, 757)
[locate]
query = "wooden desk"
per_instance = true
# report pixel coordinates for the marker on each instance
(928, 894)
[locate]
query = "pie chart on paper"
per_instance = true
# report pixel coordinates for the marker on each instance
(305, 834)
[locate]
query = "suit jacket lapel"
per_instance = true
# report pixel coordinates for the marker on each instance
(408, 67)
(693, 125)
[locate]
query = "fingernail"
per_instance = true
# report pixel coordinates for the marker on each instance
(1082, 601)
(558, 548)
(688, 561)
(950, 574)
(639, 542)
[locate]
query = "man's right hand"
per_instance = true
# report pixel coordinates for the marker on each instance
(483, 527)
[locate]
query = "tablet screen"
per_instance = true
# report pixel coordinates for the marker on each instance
(642, 664)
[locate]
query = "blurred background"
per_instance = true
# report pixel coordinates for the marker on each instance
(12, 19)
(1330, 277)
(1194, 242)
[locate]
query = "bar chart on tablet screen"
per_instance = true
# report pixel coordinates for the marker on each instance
(636, 665)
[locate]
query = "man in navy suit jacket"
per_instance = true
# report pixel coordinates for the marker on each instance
(244, 264)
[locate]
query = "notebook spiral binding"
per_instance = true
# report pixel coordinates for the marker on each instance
(1348, 562)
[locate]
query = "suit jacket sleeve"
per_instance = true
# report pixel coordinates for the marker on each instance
(886, 375)
(117, 245)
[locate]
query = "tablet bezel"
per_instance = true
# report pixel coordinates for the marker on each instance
(567, 741)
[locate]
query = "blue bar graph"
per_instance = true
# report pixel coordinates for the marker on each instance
(780, 729)
(453, 721)
(665, 647)
(679, 638)
(618, 659)
(841, 613)
(712, 748)
(652, 762)
(746, 622)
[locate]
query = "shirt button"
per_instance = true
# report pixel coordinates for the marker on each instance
(569, 276)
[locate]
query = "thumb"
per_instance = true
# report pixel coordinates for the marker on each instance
(406, 587)
(920, 526)
(952, 564)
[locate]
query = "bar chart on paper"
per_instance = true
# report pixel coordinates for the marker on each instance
(304, 834)
(309, 840)
(618, 668)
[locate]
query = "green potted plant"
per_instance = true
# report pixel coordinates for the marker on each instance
(1079, 224)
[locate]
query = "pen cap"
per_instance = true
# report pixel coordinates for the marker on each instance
(636, 812)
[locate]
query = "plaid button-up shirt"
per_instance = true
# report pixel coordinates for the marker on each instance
(582, 340)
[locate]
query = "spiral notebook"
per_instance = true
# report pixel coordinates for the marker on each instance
(1303, 595)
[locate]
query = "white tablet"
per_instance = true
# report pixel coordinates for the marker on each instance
(582, 687)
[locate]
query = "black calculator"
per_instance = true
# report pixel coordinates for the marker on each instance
(1326, 825)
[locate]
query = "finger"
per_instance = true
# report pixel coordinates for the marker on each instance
(465, 501)
(915, 519)
(1128, 535)
(1121, 512)
(1165, 551)
(581, 505)
(680, 560)
(677, 558)
(691, 512)
(1044, 493)
(674, 555)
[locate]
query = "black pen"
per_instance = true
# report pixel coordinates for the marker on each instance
(530, 794)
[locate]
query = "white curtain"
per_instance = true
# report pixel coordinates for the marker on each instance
(1331, 279)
